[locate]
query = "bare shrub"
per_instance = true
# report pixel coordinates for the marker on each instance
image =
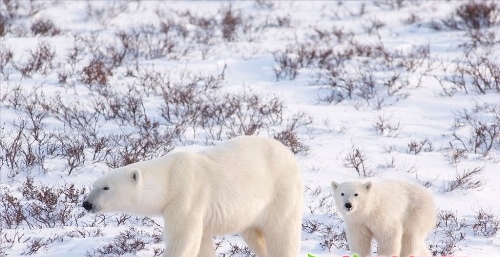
(321, 202)
(204, 34)
(84, 135)
(289, 136)
(198, 103)
(449, 232)
(465, 180)
(385, 127)
(4, 23)
(357, 160)
(239, 250)
(284, 21)
(332, 238)
(477, 130)
(151, 82)
(415, 147)
(455, 155)
(172, 28)
(264, 4)
(374, 26)
(96, 74)
(391, 4)
(411, 19)
(42, 206)
(237, 114)
(147, 138)
(182, 101)
(474, 17)
(72, 115)
(125, 108)
(288, 65)
(128, 241)
(12, 148)
(35, 244)
(82, 232)
(306, 55)
(148, 42)
(7, 241)
(72, 150)
(352, 73)
(486, 223)
(44, 27)
(147, 144)
(12, 214)
(474, 72)
(6, 57)
(103, 13)
(14, 11)
(334, 34)
(230, 22)
(40, 60)
(248, 113)
(76, 53)
(329, 232)
(26, 143)
(53, 207)
(477, 15)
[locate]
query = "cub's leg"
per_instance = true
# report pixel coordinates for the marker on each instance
(359, 238)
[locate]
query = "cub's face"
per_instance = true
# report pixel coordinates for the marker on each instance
(115, 191)
(350, 197)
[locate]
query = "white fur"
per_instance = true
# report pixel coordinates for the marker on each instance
(247, 185)
(398, 215)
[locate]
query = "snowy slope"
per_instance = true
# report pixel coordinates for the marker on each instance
(358, 89)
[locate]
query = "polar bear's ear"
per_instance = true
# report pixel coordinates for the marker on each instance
(335, 185)
(368, 186)
(136, 176)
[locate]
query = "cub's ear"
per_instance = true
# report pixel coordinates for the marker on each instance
(136, 176)
(368, 186)
(334, 185)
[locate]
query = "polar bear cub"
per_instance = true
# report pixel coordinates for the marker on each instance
(397, 214)
(247, 185)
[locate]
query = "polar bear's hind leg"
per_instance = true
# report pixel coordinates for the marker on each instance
(255, 241)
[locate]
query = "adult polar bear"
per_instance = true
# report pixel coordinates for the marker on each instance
(247, 185)
(397, 214)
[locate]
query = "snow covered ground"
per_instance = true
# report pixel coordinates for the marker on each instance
(388, 89)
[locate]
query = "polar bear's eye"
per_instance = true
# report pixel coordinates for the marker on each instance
(105, 188)
(342, 194)
(355, 194)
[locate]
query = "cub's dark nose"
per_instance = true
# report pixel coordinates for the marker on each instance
(87, 205)
(348, 206)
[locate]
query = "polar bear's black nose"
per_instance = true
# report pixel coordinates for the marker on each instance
(348, 206)
(87, 205)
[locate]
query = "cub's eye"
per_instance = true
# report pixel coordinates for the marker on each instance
(105, 188)
(342, 194)
(355, 194)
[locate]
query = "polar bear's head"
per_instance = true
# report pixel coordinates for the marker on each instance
(351, 197)
(116, 191)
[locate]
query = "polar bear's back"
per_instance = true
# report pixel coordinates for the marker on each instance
(397, 189)
(411, 201)
(246, 175)
(255, 153)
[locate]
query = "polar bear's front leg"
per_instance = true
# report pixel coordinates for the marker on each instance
(359, 238)
(182, 235)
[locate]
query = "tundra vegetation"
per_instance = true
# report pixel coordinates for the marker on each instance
(381, 89)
